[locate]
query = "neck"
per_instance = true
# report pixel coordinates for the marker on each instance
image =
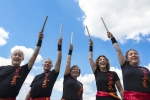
(15, 65)
(133, 64)
(74, 77)
(103, 69)
(46, 71)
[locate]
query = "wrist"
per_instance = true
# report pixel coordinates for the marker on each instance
(113, 40)
(70, 52)
(59, 47)
(39, 43)
(91, 48)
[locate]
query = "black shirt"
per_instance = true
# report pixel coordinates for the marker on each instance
(135, 78)
(11, 80)
(105, 81)
(72, 88)
(42, 86)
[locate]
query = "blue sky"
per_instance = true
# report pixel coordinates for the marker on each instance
(21, 22)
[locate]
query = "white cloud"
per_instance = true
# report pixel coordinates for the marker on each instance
(27, 53)
(5, 61)
(129, 19)
(78, 19)
(3, 36)
(36, 67)
(148, 66)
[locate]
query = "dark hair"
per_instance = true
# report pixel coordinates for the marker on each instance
(74, 67)
(107, 60)
(126, 55)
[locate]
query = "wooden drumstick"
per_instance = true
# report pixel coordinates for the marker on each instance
(88, 32)
(104, 24)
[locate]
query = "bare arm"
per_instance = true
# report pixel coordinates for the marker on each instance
(28, 95)
(67, 70)
(120, 89)
(117, 48)
(36, 52)
(58, 62)
(93, 66)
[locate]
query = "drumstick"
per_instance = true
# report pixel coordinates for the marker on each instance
(104, 24)
(44, 24)
(71, 38)
(61, 30)
(88, 32)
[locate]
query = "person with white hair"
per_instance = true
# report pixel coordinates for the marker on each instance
(13, 76)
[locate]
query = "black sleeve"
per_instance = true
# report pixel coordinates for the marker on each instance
(116, 76)
(33, 81)
(54, 74)
(126, 63)
(66, 77)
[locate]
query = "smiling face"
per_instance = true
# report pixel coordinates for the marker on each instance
(75, 71)
(47, 65)
(133, 57)
(102, 62)
(17, 57)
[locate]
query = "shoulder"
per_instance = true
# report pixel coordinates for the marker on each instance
(144, 68)
(113, 72)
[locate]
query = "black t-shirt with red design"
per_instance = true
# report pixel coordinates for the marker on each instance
(105, 81)
(11, 80)
(42, 84)
(135, 78)
(72, 88)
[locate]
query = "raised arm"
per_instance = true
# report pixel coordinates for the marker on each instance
(36, 51)
(67, 70)
(59, 57)
(28, 95)
(92, 63)
(121, 58)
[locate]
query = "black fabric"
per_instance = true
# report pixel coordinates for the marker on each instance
(70, 52)
(91, 49)
(36, 86)
(71, 88)
(113, 40)
(102, 80)
(6, 75)
(133, 78)
(39, 43)
(59, 47)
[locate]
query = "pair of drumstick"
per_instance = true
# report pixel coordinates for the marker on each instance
(104, 25)
(72, 32)
(60, 29)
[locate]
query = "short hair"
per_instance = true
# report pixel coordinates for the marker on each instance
(74, 67)
(126, 55)
(107, 60)
(50, 60)
(18, 50)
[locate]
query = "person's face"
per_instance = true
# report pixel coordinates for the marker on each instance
(102, 62)
(133, 57)
(47, 65)
(75, 72)
(17, 57)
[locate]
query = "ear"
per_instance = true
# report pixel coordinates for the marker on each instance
(22, 59)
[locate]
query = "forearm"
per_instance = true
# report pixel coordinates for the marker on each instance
(118, 50)
(67, 70)
(33, 57)
(28, 96)
(58, 62)
(121, 94)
